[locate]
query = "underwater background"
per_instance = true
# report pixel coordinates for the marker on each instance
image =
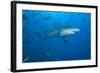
(42, 40)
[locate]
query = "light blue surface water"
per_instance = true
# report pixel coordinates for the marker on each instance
(42, 40)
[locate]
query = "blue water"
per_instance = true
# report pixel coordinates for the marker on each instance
(38, 46)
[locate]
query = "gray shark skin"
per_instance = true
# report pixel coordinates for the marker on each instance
(62, 32)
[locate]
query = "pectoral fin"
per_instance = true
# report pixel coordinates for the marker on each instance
(65, 40)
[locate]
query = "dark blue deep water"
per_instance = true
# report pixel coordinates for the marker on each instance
(40, 46)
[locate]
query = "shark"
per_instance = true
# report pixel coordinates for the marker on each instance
(63, 33)
(58, 31)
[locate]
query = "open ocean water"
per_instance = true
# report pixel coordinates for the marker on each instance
(55, 36)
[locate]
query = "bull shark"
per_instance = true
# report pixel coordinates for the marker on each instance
(64, 33)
